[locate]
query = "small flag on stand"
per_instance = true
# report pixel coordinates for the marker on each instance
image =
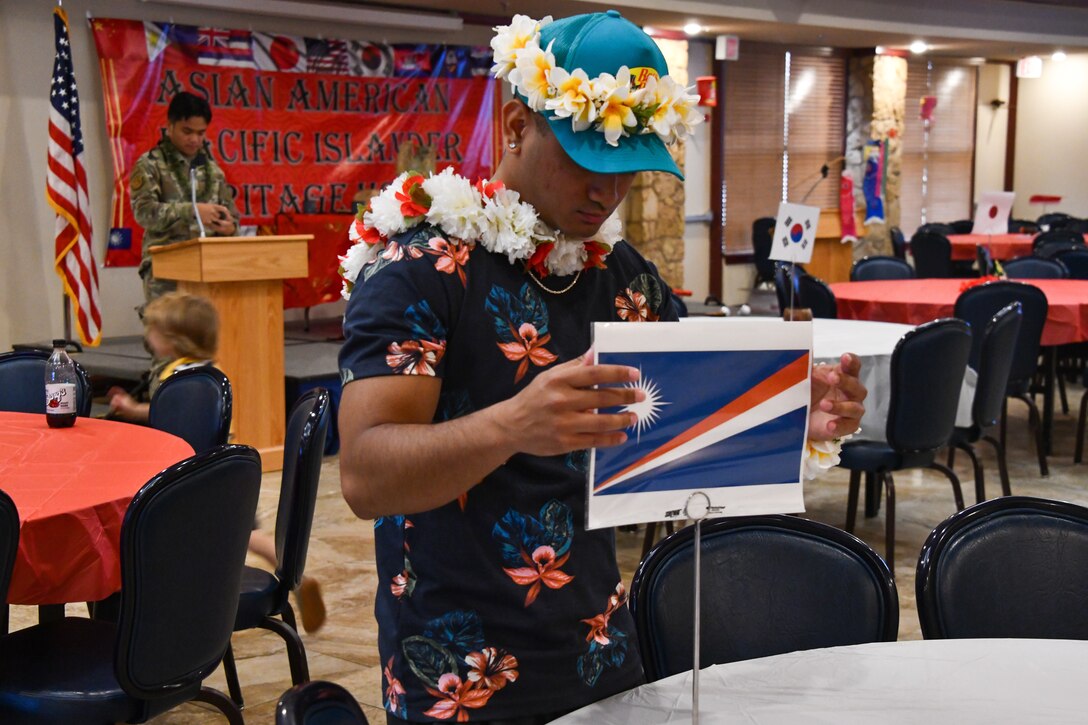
(795, 232)
(66, 190)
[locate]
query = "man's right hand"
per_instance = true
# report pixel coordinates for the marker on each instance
(556, 412)
(214, 214)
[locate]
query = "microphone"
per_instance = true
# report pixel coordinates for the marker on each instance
(824, 171)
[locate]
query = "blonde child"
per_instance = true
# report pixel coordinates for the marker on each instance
(182, 332)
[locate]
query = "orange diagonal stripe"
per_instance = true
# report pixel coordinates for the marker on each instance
(784, 379)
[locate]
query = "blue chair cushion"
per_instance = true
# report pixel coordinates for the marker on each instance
(879, 456)
(258, 598)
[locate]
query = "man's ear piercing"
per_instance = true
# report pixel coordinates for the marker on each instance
(512, 145)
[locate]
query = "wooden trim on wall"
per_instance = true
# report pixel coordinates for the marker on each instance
(1010, 133)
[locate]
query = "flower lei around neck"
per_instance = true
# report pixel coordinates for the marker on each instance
(617, 106)
(485, 212)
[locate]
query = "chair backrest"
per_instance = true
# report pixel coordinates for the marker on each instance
(9, 545)
(22, 382)
(1022, 226)
(1076, 261)
(995, 362)
(1052, 250)
(770, 584)
(1014, 566)
(932, 254)
(762, 240)
(319, 702)
(195, 405)
(303, 447)
(899, 242)
(927, 370)
(783, 284)
(878, 267)
(816, 295)
(978, 305)
(1053, 220)
(183, 546)
(1035, 268)
(936, 228)
(1065, 236)
(962, 226)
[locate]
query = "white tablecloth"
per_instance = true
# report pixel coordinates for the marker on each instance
(929, 682)
(874, 343)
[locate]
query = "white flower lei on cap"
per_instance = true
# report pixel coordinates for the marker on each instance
(486, 212)
(608, 104)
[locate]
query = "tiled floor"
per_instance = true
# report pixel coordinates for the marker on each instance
(342, 558)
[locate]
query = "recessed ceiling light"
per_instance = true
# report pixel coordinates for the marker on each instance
(879, 50)
(1059, 55)
(693, 28)
(649, 30)
(918, 46)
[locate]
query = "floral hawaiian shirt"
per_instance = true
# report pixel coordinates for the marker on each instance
(499, 604)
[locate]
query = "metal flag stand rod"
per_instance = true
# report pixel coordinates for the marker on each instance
(696, 514)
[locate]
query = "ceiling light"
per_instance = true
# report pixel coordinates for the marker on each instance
(1059, 55)
(879, 50)
(693, 28)
(918, 46)
(649, 30)
(355, 15)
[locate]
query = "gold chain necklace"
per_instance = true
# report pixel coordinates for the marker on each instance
(549, 290)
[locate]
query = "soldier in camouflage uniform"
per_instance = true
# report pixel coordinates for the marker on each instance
(161, 189)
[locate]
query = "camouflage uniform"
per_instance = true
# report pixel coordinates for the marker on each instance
(162, 202)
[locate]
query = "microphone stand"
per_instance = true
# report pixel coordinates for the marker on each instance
(196, 211)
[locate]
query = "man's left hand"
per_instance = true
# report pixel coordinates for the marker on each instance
(837, 396)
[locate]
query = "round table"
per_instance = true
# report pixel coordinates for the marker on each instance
(915, 301)
(1001, 246)
(934, 681)
(72, 487)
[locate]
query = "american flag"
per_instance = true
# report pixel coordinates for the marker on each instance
(326, 56)
(66, 190)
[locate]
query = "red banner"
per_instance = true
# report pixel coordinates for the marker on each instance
(299, 125)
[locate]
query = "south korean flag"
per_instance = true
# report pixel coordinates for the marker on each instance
(795, 232)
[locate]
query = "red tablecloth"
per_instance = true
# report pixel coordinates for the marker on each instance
(72, 487)
(1001, 246)
(914, 301)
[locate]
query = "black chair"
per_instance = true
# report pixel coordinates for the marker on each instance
(22, 382)
(932, 255)
(785, 289)
(962, 226)
(1011, 567)
(9, 546)
(873, 268)
(762, 240)
(1057, 236)
(921, 416)
(815, 295)
(319, 703)
(183, 544)
(770, 584)
(264, 598)
(998, 347)
(978, 305)
(195, 405)
(1076, 261)
(1035, 268)
(1054, 250)
(1082, 419)
(936, 228)
(899, 243)
(1054, 220)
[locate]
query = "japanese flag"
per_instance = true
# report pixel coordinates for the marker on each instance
(795, 232)
(992, 213)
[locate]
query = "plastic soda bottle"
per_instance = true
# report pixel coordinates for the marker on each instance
(60, 388)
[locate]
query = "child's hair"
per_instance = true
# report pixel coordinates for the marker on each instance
(189, 322)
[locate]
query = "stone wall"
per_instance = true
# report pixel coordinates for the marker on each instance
(654, 212)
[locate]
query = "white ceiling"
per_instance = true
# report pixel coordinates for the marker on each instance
(994, 29)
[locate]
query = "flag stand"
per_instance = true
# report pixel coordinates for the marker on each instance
(697, 515)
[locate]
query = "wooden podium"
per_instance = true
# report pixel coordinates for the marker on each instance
(831, 259)
(243, 277)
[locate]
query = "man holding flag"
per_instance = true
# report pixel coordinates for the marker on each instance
(66, 191)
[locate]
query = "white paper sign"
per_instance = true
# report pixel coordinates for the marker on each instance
(795, 232)
(725, 414)
(992, 213)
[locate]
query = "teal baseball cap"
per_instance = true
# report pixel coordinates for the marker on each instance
(602, 43)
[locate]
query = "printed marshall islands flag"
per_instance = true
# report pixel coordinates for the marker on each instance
(725, 414)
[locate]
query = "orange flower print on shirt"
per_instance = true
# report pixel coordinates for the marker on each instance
(521, 324)
(492, 668)
(455, 696)
(394, 692)
(527, 347)
(631, 306)
(543, 568)
(452, 255)
(419, 356)
(607, 645)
